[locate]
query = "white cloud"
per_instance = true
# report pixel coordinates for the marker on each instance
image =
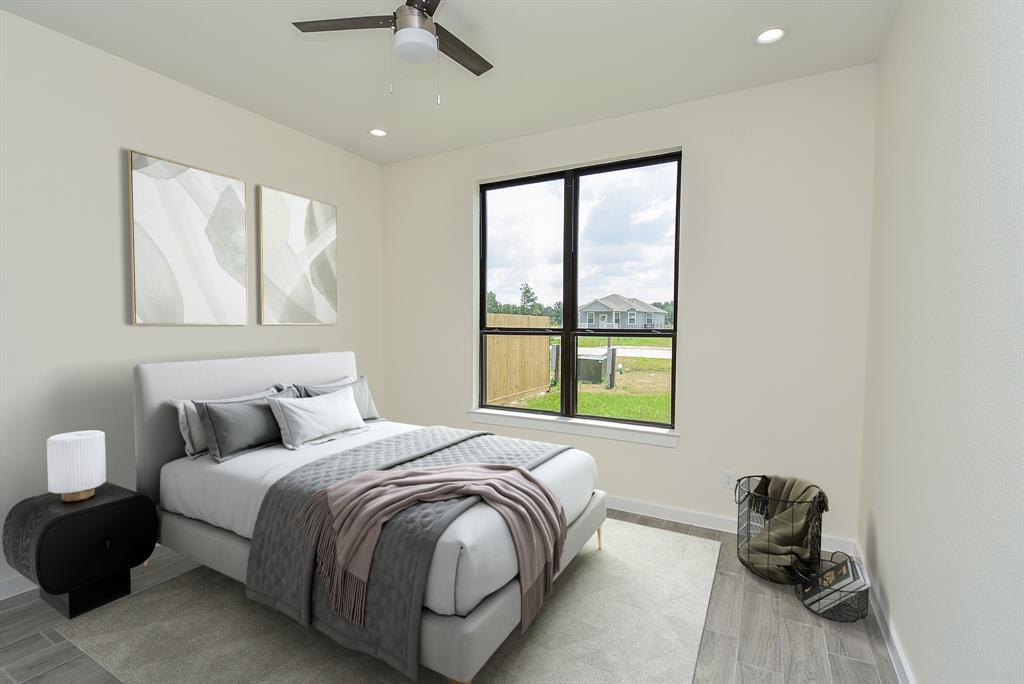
(657, 208)
(524, 240)
(627, 236)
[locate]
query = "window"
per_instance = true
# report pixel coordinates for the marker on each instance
(555, 244)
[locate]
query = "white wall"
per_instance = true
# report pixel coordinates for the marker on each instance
(777, 197)
(941, 520)
(68, 113)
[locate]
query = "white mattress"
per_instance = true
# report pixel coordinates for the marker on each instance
(474, 557)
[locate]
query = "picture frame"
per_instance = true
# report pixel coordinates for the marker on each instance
(188, 243)
(298, 259)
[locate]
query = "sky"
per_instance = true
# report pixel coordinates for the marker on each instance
(627, 236)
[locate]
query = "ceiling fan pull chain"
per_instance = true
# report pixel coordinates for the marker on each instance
(391, 69)
(437, 70)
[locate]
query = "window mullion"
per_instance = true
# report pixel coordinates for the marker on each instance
(571, 305)
(569, 322)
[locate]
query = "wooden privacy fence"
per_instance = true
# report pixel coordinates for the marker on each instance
(517, 365)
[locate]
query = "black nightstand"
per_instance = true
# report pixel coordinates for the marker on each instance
(81, 554)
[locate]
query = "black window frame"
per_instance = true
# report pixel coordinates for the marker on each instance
(571, 328)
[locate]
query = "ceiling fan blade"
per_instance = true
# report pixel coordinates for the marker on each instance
(428, 6)
(345, 24)
(460, 52)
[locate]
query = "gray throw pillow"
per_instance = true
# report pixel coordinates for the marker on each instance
(190, 423)
(360, 389)
(316, 419)
(236, 426)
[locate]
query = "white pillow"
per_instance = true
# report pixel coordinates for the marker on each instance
(316, 418)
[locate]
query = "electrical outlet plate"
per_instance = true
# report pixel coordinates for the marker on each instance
(728, 479)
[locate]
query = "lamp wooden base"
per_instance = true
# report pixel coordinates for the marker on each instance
(72, 497)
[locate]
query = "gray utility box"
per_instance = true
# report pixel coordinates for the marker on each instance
(597, 370)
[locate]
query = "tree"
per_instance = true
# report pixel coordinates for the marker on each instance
(528, 303)
(556, 314)
(670, 311)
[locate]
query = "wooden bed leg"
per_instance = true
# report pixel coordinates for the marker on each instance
(600, 545)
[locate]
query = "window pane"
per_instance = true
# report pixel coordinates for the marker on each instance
(525, 232)
(522, 372)
(627, 224)
(624, 377)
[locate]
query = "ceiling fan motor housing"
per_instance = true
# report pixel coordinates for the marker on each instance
(415, 36)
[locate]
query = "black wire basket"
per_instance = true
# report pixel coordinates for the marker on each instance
(779, 539)
(840, 605)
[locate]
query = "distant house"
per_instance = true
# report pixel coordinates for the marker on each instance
(616, 311)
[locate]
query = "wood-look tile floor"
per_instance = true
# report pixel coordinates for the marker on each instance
(31, 650)
(755, 631)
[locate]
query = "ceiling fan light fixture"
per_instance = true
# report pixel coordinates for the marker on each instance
(415, 36)
(414, 44)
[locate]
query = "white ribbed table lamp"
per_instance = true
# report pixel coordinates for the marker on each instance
(76, 463)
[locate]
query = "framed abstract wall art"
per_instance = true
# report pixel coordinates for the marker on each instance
(298, 259)
(188, 245)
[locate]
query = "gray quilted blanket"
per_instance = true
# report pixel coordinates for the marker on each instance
(281, 571)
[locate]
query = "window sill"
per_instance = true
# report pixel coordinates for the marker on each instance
(638, 434)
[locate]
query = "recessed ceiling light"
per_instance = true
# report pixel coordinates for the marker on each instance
(770, 35)
(378, 132)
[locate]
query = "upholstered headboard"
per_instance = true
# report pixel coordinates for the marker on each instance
(157, 438)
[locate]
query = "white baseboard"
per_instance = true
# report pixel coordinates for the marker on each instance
(711, 521)
(725, 523)
(892, 641)
(12, 586)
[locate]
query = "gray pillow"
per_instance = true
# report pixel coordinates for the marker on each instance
(190, 423)
(360, 388)
(316, 419)
(237, 426)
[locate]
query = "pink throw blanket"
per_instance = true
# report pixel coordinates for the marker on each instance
(348, 517)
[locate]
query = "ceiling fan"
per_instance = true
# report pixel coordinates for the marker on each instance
(417, 35)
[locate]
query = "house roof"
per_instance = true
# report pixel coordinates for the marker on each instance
(617, 302)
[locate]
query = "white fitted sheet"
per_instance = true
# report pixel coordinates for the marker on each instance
(474, 557)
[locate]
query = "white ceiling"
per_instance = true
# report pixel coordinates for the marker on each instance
(556, 62)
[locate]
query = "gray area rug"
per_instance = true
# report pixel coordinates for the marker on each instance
(632, 612)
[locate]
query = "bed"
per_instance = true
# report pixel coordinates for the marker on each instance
(208, 510)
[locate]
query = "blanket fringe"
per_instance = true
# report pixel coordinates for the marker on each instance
(346, 593)
(533, 597)
(315, 515)
(348, 597)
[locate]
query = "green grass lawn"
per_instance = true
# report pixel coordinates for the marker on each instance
(636, 363)
(653, 408)
(657, 342)
(641, 393)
